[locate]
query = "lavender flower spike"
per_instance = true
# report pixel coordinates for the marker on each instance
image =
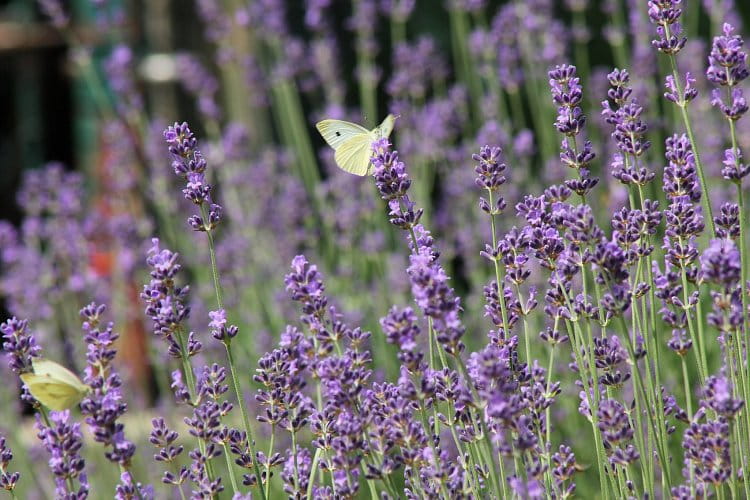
(19, 344)
(188, 162)
(8, 479)
(63, 441)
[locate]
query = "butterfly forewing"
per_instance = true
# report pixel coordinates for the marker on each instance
(386, 127)
(57, 372)
(51, 392)
(337, 132)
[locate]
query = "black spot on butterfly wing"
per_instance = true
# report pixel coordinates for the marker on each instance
(338, 134)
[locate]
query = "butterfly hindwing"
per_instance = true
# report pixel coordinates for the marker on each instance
(337, 132)
(53, 385)
(51, 393)
(354, 155)
(57, 372)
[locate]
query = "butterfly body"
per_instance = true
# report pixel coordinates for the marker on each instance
(352, 143)
(53, 385)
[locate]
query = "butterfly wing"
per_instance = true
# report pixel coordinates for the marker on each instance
(52, 393)
(354, 155)
(386, 127)
(58, 372)
(338, 132)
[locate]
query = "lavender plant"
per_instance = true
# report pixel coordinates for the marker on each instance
(498, 311)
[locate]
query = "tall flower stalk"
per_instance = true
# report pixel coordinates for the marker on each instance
(666, 14)
(189, 163)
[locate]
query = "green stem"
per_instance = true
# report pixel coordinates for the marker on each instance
(688, 391)
(230, 468)
(313, 470)
(499, 274)
(245, 419)
(487, 448)
(682, 105)
(268, 463)
(228, 348)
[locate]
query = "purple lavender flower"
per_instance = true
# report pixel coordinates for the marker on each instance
(119, 67)
(163, 439)
(609, 357)
(707, 450)
(19, 345)
(728, 68)
(720, 264)
(201, 83)
(103, 405)
(567, 94)
(679, 342)
(490, 177)
(63, 441)
(616, 430)
(54, 10)
(673, 94)
(728, 221)
(305, 285)
(204, 485)
(429, 285)
(564, 462)
(296, 473)
(129, 489)
(281, 374)
(717, 395)
(531, 489)
(734, 170)
(393, 183)
(8, 479)
(188, 163)
(401, 328)
(666, 15)
(629, 129)
(727, 61)
(218, 326)
(166, 303)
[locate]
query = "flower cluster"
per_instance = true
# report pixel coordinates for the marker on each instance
(567, 94)
(666, 15)
(727, 67)
(19, 345)
(188, 162)
(393, 184)
(8, 479)
(63, 441)
(166, 302)
(104, 406)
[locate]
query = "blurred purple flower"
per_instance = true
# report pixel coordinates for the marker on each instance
(8, 479)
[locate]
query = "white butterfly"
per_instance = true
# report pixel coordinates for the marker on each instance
(53, 385)
(352, 142)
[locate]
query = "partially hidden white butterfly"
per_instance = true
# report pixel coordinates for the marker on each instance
(53, 385)
(352, 142)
